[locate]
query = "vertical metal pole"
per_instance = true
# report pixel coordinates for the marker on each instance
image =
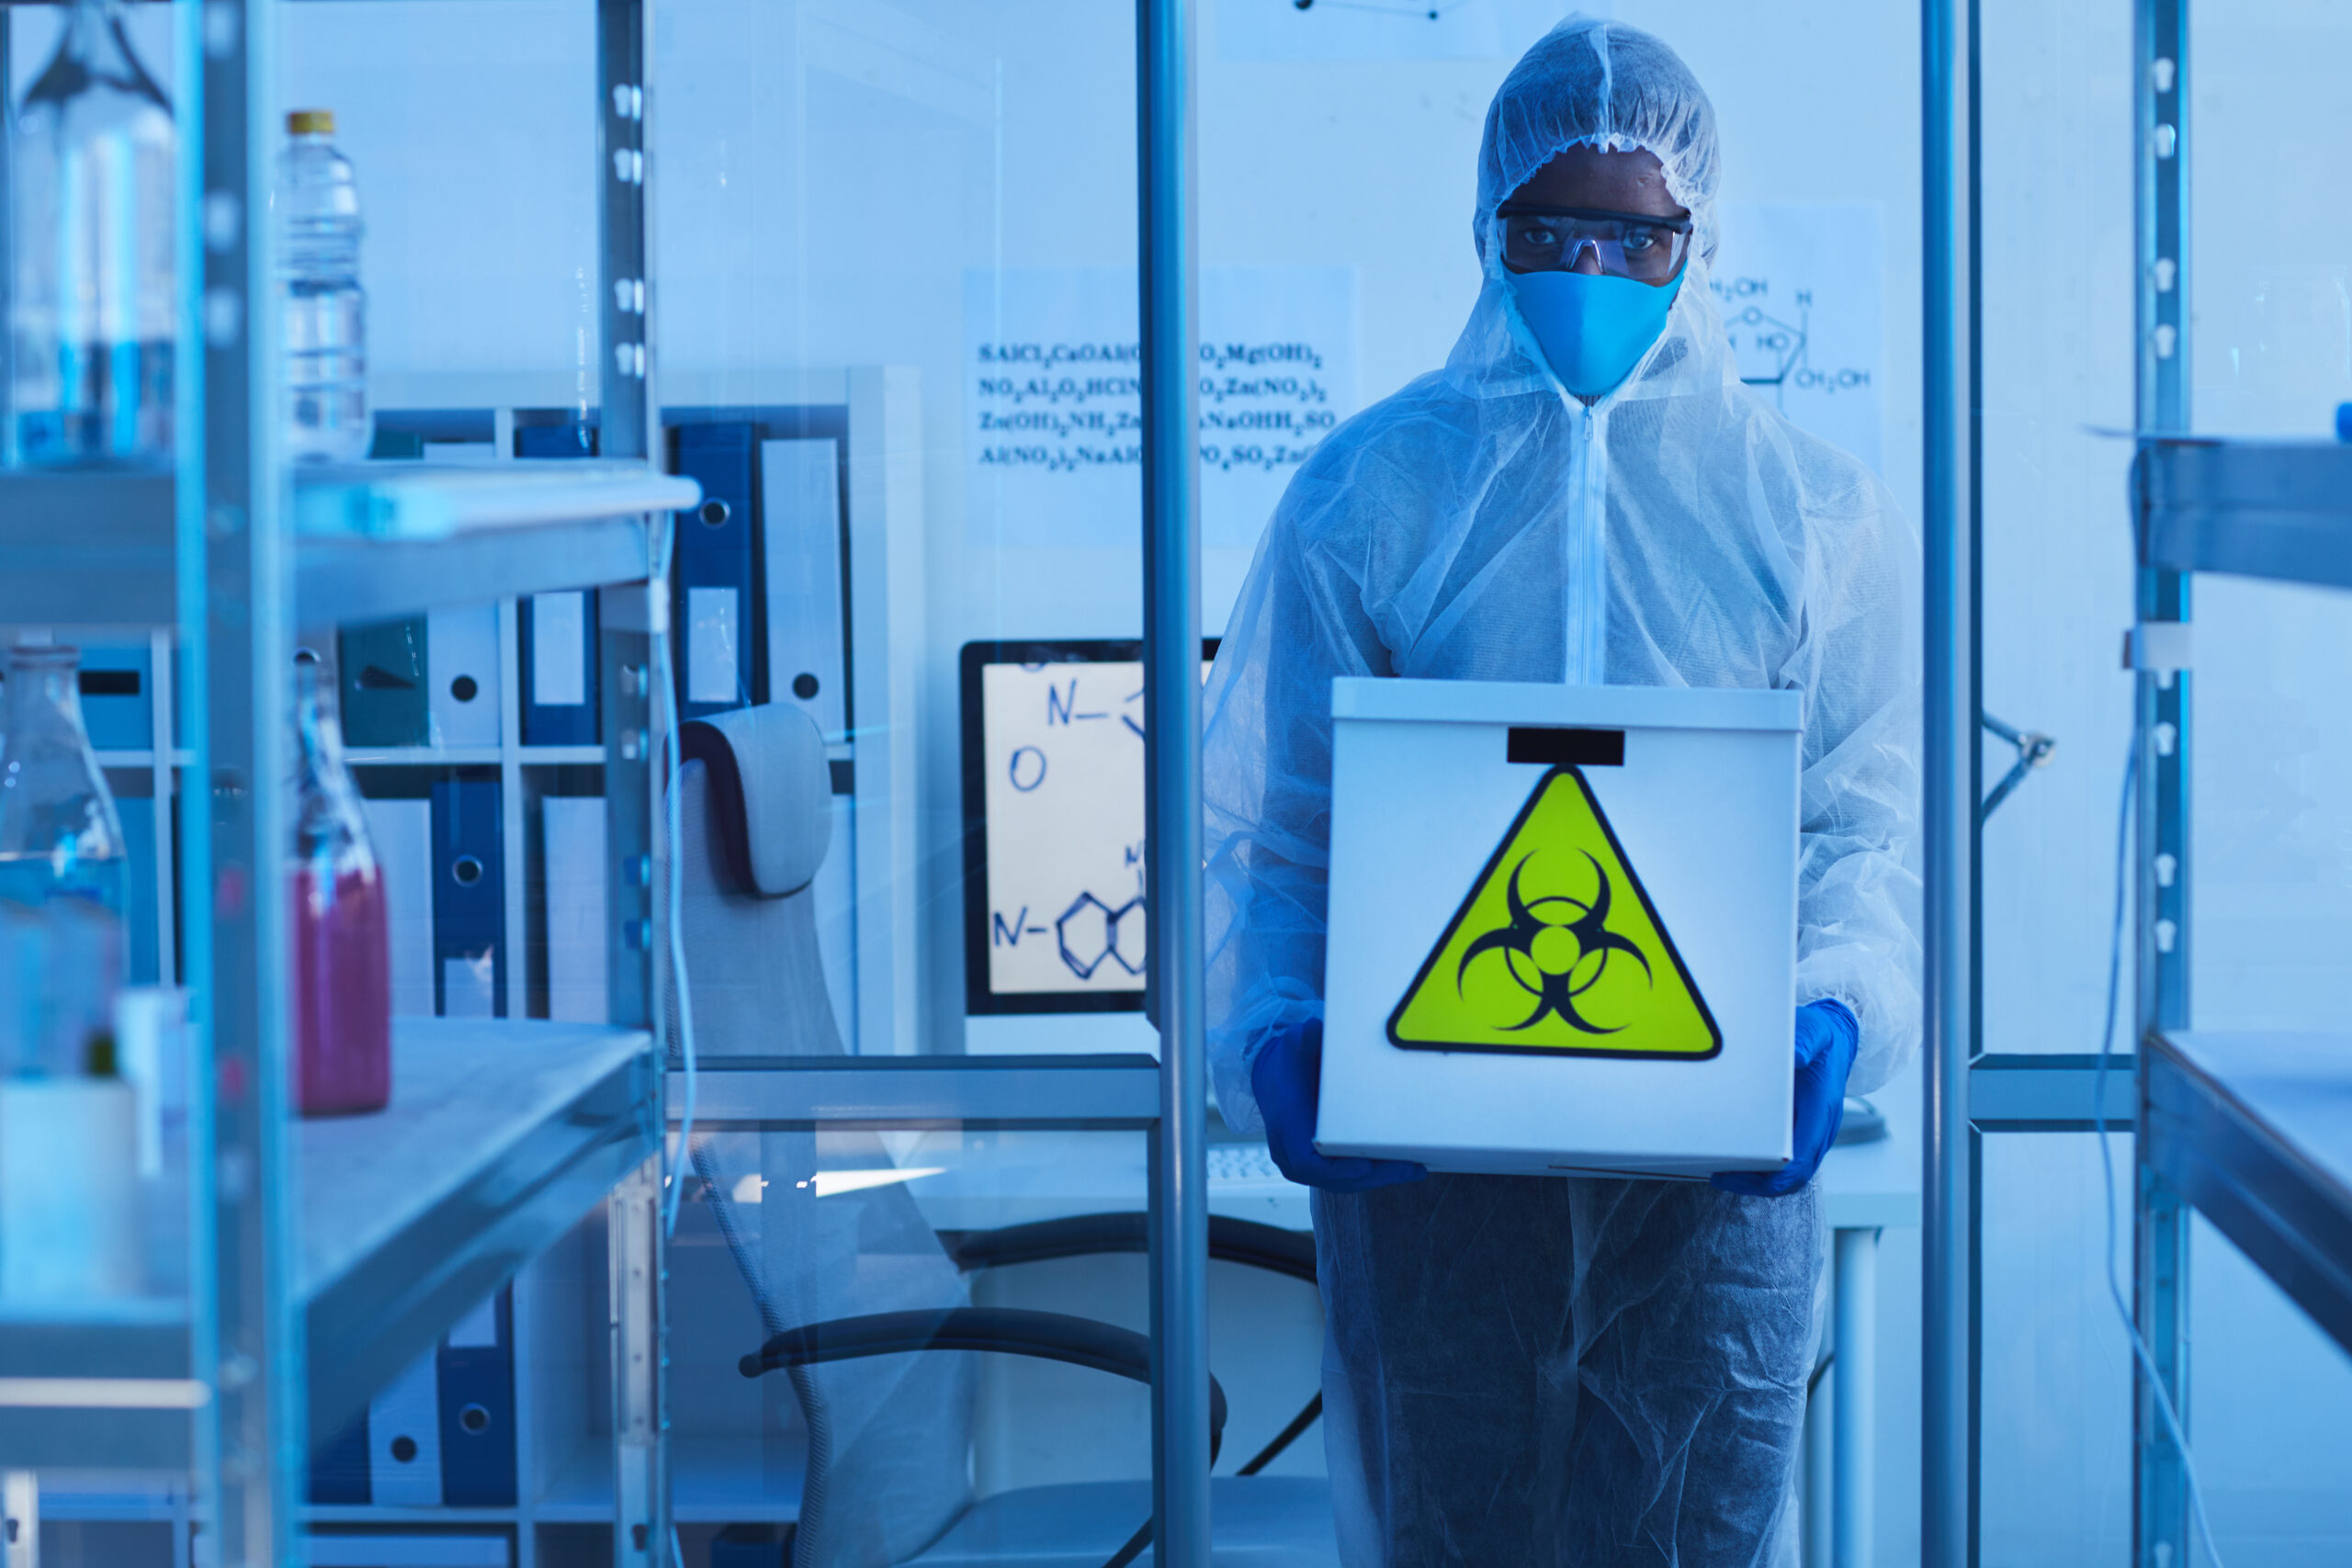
(2160, 1229)
(638, 914)
(1854, 1392)
(624, 31)
(1949, 806)
(8, 250)
(642, 1524)
(235, 591)
(1171, 651)
(1820, 1509)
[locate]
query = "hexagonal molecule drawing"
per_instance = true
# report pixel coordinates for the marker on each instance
(1126, 936)
(1775, 354)
(1090, 930)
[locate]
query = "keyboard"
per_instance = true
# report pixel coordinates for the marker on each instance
(1234, 1163)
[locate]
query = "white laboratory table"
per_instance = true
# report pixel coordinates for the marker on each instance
(1025, 1139)
(1865, 1188)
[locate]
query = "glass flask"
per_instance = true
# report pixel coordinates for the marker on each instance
(341, 959)
(324, 311)
(63, 874)
(94, 156)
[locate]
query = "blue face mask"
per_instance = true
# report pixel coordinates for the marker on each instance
(1592, 327)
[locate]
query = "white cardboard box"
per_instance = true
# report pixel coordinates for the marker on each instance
(1630, 1010)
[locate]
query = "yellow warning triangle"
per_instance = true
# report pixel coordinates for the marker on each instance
(1558, 950)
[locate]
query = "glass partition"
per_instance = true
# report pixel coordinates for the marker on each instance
(2057, 368)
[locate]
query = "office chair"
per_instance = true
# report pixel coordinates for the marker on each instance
(859, 1295)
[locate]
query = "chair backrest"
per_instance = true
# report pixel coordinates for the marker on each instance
(888, 1469)
(755, 820)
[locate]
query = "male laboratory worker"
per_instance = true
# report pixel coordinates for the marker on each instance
(1526, 1369)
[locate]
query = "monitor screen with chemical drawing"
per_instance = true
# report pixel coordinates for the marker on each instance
(1053, 826)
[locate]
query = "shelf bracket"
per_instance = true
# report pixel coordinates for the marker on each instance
(2034, 750)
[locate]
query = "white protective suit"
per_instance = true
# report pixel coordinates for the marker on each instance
(1526, 1369)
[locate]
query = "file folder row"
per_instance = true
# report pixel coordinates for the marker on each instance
(443, 858)
(441, 1434)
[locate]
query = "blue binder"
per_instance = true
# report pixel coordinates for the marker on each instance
(468, 899)
(476, 1366)
(572, 440)
(558, 631)
(141, 961)
(117, 701)
(383, 665)
(339, 1466)
(382, 673)
(715, 616)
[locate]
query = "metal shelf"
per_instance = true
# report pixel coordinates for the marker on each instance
(2272, 509)
(501, 1133)
(371, 540)
(2255, 1130)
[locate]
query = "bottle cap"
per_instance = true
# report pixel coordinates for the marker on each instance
(310, 122)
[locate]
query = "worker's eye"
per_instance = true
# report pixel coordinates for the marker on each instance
(1639, 241)
(1538, 236)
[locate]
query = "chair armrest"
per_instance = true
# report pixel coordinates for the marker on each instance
(1010, 1331)
(1244, 1242)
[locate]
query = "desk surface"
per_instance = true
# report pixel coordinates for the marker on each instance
(1044, 1176)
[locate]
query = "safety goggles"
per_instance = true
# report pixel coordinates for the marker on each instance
(1626, 244)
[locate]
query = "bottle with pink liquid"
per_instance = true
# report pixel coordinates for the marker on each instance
(342, 940)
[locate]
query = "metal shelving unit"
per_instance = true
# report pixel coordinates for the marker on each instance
(322, 1254)
(501, 1133)
(371, 540)
(2252, 1129)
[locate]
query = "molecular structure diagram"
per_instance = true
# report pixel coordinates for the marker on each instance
(1773, 352)
(1091, 927)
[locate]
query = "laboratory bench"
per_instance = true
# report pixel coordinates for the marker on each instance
(976, 1182)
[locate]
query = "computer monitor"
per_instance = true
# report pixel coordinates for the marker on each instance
(1054, 825)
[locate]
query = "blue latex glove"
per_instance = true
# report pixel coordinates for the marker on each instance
(1827, 1037)
(1288, 1078)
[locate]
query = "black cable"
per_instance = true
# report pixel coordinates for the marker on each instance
(1287, 1436)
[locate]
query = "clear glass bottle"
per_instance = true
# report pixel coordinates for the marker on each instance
(63, 874)
(324, 338)
(341, 934)
(94, 166)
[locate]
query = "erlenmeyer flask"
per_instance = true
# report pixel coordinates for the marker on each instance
(62, 873)
(340, 935)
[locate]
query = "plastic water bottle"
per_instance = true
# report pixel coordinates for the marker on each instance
(96, 163)
(324, 336)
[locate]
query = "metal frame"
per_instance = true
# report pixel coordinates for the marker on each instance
(637, 922)
(236, 601)
(1972, 1094)
(226, 1388)
(2161, 924)
(1171, 642)
(1950, 784)
(2246, 1128)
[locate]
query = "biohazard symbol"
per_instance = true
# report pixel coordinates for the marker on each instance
(1558, 950)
